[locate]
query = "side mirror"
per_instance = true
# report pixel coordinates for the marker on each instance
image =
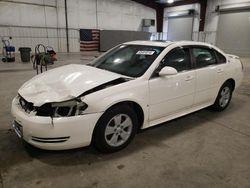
(167, 71)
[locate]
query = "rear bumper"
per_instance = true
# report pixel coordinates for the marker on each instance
(57, 133)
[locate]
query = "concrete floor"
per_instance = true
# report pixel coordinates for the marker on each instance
(203, 149)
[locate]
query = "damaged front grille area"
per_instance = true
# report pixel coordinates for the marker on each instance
(26, 106)
(44, 110)
(66, 109)
(49, 111)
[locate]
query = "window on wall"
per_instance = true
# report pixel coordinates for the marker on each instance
(178, 58)
(203, 57)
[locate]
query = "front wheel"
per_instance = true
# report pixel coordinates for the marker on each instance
(115, 129)
(224, 97)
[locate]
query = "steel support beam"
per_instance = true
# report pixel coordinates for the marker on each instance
(148, 3)
(203, 9)
(67, 27)
(159, 18)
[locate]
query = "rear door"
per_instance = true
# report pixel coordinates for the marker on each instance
(221, 69)
(209, 74)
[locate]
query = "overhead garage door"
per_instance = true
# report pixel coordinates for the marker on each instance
(233, 35)
(180, 28)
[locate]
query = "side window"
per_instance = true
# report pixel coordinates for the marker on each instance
(178, 58)
(203, 57)
(220, 58)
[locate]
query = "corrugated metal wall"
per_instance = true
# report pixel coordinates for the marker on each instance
(31, 36)
(30, 22)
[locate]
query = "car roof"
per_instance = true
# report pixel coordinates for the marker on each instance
(162, 43)
(150, 43)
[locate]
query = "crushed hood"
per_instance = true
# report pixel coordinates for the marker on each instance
(64, 83)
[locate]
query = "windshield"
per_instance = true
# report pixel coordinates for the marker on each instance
(128, 60)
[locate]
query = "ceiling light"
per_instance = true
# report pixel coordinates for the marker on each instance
(170, 1)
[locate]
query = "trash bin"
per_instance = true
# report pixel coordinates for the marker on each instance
(25, 54)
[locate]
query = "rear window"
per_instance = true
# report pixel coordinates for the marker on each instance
(203, 57)
(220, 58)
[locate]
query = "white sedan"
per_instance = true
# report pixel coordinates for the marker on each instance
(133, 86)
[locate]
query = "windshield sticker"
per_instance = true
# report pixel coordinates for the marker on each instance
(145, 52)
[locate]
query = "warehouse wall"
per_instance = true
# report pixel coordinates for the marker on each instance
(212, 18)
(30, 22)
(107, 14)
(211, 22)
(196, 7)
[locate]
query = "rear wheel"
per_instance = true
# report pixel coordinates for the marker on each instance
(115, 129)
(224, 97)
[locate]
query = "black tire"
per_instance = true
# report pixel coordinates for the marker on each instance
(217, 106)
(100, 138)
(4, 59)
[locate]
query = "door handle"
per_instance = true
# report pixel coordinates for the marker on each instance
(188, 78)
(219, 70)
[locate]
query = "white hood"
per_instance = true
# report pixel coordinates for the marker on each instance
(64, 83)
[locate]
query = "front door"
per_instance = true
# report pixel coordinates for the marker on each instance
(172, 94)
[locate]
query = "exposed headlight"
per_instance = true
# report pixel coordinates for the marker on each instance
(68, 108)
(62, 109)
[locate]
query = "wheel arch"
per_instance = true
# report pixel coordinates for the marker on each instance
(135, 106)
(216, 106)
(231, 81)
(137, 109)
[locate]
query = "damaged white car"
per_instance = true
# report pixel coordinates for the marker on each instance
(133, 86)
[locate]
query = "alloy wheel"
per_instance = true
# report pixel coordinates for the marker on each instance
(224, 96)
(118, 130)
